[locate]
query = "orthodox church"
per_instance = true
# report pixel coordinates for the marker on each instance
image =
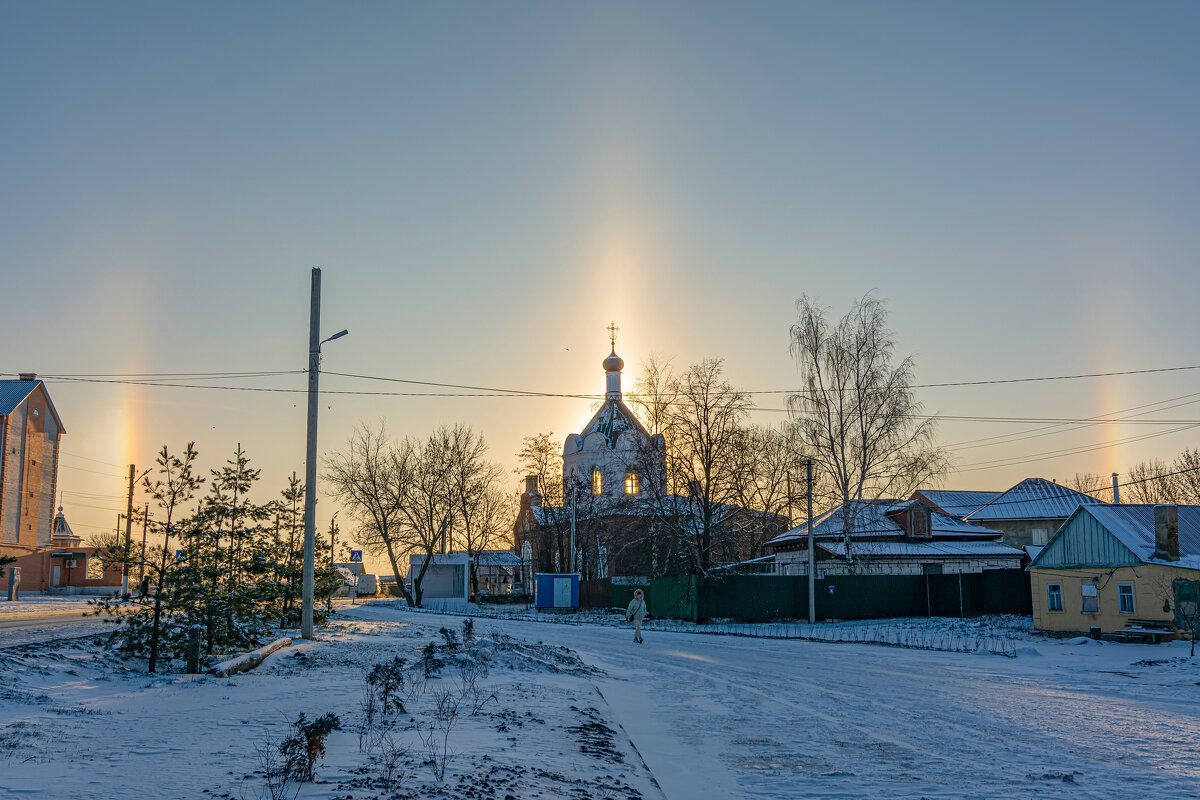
(607, 470)
(614, 455)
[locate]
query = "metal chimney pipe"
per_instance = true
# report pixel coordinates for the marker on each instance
(1116, 491)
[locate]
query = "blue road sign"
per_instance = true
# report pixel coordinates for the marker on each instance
(356, 556)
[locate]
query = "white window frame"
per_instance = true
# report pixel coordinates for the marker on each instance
(1040, 537)
(1093, 595)
(1125, 590)
(1053, 593)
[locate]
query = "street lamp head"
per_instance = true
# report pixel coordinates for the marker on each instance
(337, 335)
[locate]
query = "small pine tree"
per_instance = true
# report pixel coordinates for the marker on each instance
(468, 630)
(451, 639)
(430, 661)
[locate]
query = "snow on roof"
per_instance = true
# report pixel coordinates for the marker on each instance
(1033, 550)
(871, 522)
(1134, 526)
(497, 558)
(613, 419)
(925, 549)
(1034, 498)
(958, 502)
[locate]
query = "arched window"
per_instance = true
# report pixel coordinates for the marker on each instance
(631, 483)
(597, 482)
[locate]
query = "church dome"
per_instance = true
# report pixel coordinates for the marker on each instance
(613, 363)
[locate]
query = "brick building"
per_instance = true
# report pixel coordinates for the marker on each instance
(30, 430)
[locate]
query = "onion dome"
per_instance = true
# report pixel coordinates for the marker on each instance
(613, 363)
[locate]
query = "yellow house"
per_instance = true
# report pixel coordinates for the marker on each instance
(1120, 566)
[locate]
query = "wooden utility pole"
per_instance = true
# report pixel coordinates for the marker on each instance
(128, 533)
(145, 530)
(812, 562)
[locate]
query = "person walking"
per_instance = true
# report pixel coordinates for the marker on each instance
(636, 613)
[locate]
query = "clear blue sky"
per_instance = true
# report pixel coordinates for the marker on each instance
(487, 185)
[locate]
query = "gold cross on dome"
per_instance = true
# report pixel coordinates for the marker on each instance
(612, 334)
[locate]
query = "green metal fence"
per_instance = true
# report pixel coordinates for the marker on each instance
(758, 598)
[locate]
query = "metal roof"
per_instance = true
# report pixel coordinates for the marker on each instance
(958, 502)
(1134, 526)
(871, 521)
(927, 549)
(13, 392)
(1034, 498)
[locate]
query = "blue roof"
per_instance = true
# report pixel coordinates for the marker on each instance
(12, 393)
(958, 502)
(1034, 498)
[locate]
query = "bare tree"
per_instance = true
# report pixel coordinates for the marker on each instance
(540, 457)
(1092, 484)
(483, 509)
(1187, 477)
(369, 478)
(654, 393)
(695, 504)
(856, 409)
(768, 475)
(1150, 482)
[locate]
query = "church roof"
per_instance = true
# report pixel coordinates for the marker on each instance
(613, 419)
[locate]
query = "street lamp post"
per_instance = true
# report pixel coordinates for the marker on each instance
(310, 462)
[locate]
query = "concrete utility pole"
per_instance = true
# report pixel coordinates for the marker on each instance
(572, 567)
(310, 460)
(812, 563)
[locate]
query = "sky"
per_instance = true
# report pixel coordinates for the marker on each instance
(486, 186)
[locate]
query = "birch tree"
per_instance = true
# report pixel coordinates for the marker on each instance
(856, 409)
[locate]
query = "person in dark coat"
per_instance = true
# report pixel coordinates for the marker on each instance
(636, 613)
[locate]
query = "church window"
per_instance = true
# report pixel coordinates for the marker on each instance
(597, 482)
(631, 483)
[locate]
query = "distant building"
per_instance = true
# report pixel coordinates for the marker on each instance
(1111, 566)
(1029, 513)
(30, 430)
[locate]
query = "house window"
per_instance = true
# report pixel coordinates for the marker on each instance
(597, 482)
(631, 484)
(1039, 537)
(1091, 598)
(1054, 597)
(1125, 598)
(931, 568)
(95, 568)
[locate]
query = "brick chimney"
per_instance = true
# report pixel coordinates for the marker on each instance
(531, 489)
(1166, 533)
(28, 376)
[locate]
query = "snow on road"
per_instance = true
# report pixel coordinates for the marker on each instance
(744, 717)
(683, 716)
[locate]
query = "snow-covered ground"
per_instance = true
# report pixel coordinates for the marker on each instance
(583, 712)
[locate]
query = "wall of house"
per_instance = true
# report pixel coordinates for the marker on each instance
(1152, 588)
(795, 562)
(37, 568)
(14, 459)
(1018, 533)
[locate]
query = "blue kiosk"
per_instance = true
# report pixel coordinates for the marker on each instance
(556, 591)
